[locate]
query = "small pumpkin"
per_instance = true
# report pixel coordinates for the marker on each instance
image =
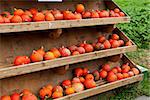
(45, 93)
(49, 86)
(29, 97)
(57, 94)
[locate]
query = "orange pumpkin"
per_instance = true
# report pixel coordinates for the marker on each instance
(26, 92)
(57, 88)
(81, 79)
(49, 55)
(89, 83)
(15, 96)
(45, 92)
(41, 51)
(80, 8)
(135, 71)
(5, 97)
(57, 94)
(36, 57)
(89, 76)
(29, 97)
(49, 86)
(18, 12)
(56, 52)
(69, 90)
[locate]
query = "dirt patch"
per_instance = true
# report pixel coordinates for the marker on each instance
(141, 57)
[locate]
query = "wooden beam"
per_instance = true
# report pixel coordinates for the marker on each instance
(32, 26)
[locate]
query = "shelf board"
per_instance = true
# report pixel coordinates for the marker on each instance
(102, 88)
(33, 67)
(33, 26)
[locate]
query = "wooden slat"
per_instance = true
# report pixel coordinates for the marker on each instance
(100, 82)
(1, 49)
(32, 26)
(102, 88)
(28, 68)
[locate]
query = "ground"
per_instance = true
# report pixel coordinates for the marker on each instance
(143, 98)
(141, 57)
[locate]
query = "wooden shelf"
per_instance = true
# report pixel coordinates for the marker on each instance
(10, 70)
(46, 25)
(33, 26)
(102, 88)
(35, 81)
(33, 67)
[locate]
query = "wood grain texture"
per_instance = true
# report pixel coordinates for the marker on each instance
(0, 51)
(32, 26)
(7, 70)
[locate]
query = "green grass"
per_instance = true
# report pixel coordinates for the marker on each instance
(140, 57)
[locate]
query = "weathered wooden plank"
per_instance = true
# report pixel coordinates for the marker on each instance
(102, 88)
(32, 26)
(0, 51)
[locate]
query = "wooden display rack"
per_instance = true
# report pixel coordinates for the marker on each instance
(14, 41)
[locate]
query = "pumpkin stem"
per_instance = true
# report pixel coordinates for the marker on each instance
(15, 8)
(84, 42)
(34, 51)
(42, 47)
(127, 63)
(21, 94)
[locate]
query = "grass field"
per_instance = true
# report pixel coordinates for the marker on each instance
(139, 31)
